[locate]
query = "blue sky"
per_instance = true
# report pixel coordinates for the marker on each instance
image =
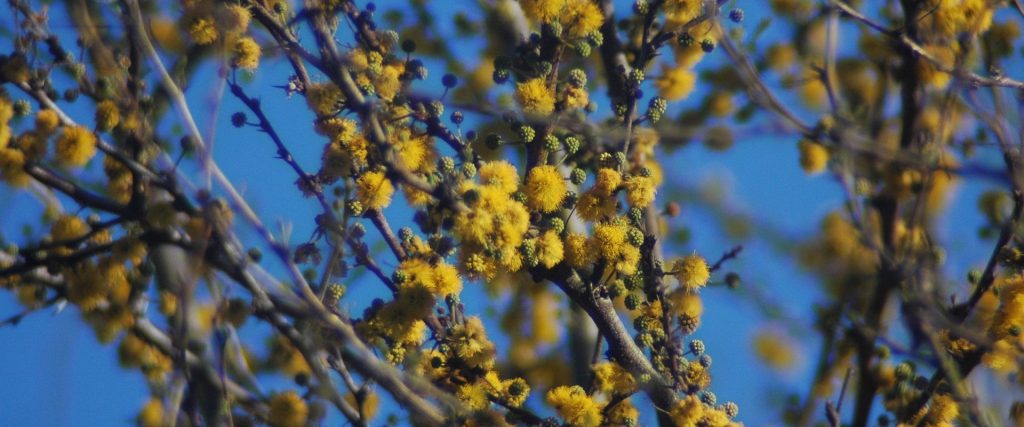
(55, 373)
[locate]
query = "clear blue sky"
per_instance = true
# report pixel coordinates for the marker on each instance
(54, 373)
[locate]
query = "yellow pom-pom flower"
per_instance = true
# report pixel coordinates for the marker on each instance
(287, 410)
(76, 145)
(107, 115)
(47, 122)
(813, 157)
(374, 190)
(246, 54)
(545, 188)
(675, 83)
(575, 406)
(501, 175)
(12, 167)
(203, 32)
(68, 227)
(692, 272)
(640, 191)
(535, 97)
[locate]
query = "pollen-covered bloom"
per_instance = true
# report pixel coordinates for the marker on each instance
(574, 405)
(545, 188)
(203, 31)
(813, 157)
(287, 410)
(47, 121)
(12, 164)
(535, 97)
(550, 250)
(374, 190)
(640, 191)
(501, 175)
(246, 54)
(76, 145)
(692, 272)
(107, 115)
(675, 83)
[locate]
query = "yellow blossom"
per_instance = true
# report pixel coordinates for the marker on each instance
(573, 405)
(501, 175)
(675, 83)
(612, 379)
(774, 349)
(680, 12)
(12, 167)
(640, 191)
(246, 54)
(203, 31)
(374, 190)
(287, 410)
(47, 121)
(535, 97)
(107, 115)
(76, 145)
(594, 205)
(692, 272)
(813, 157)
(578, 252)
(152, 414)
(549, 249)
(388, 83)
(545, 188)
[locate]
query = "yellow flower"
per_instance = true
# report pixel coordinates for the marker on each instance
(246, 54)
(233, 18)
(324, 98)
(545, 188)
(549, 249)
(469, 342)
(501, 175)
(535, 97)
(594, 205)
(370, 404)
(76, 145)
(388, 83)
(516, 391)
(202, 31)
(68, 227)
(942, 411)
(47, 122)
(576, 97)
(107, 115)
(374, 190)
(581, 17)
(12, 167)
(692, 272)
(152, 414)
(687, 411)
(608, 181)
(287, 410)
(545, 11)
(578, 251)
(774, 349)
(640, 191)
(682, 11)
(813, 157)
(33, 145)
(573, 405)
(929, 72)
(612, 379)
(675, 83)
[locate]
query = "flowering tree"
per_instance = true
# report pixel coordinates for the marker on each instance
(533, 175)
